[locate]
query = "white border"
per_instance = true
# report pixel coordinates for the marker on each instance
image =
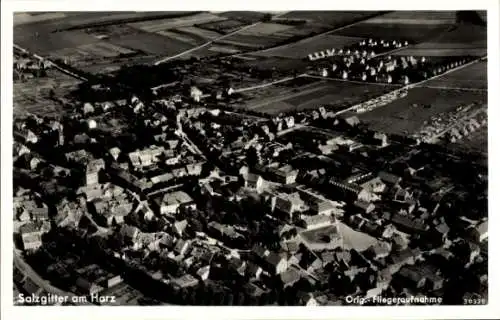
(8, 311)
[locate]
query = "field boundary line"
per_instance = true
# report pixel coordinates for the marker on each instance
(212, 41)
(306, 39)
(455, 88)
(411, 86)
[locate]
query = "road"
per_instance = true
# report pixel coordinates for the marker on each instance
(350, 81)
(419, 84)
(210, 42)
(264, 85)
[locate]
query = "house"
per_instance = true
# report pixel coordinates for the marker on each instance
(185, 281)
(180, 226)
(87, 288)
(374, 185)
(403, 257)
(412, 277)
(129, 232)
(253, 270)
(22, 214)
(285, 174)
(325, 207)
(289, 277)
(405, 222)
(203, 272)
(380, 250)
(287, 203)
(315, 265)
(317, 221)
(182, 247)
(389, 178)
(479, 233)
(254, 181)
(380, 139)
(435, 280)
(275, 263)
(364, 206)
(327, 257)
(238, 265)
(31, 235)
(384, 278)
(196, 94)
(171, 202)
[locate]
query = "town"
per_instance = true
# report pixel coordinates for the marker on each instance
(342, 175)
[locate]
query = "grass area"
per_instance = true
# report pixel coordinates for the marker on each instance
(32, 95)
(302, 48)
(473, 76)
(310, 95)
(411, 32)
(333, 18)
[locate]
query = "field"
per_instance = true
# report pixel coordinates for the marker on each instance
(302, 48)
(473, 76)
(49, 22)
(331, 18)
(430, 49)
(224, 26)
(460, 41)
(246, 16)
(105, 47)
(266, 35)
(310, 94)
(403, 31)
(206, 34)
(399, 117)
(165, 24)
(417, 17)
(32, 95)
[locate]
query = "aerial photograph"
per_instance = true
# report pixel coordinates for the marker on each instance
(250, 158)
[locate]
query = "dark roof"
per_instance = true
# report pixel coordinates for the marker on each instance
(388, 177)
(290, 276)
(410, 274)
(274, 259)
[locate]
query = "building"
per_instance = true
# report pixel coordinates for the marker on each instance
(285, 174)
(92, 172)
(389, 178)
(171, 202)
(31, 236)
(289, 277)
(317, 221)
(275, 263)
(185, 281)
(479, 233)
(196, 94)
(254, 181)
(375, 185)
(129, 232)
(287, 203)
(87, 288)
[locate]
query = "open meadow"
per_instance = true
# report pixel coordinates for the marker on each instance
(310, 94)
(474, 76)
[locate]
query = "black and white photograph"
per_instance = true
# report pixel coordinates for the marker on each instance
(248, 158)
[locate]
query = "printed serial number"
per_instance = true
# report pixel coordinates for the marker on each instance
(475, 301)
